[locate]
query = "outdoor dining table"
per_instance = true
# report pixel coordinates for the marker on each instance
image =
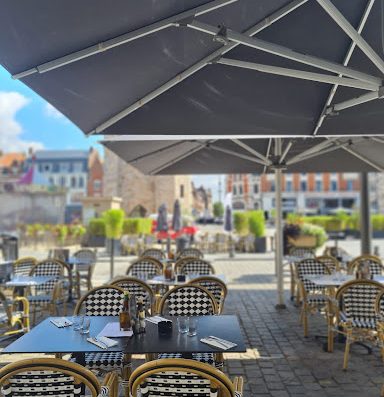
(47, 338)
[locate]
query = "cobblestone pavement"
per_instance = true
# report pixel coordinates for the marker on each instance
(279, 361)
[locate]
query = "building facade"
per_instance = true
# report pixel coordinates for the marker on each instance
(95, 174)
(202, 202)
(307, 193)
(142, 194)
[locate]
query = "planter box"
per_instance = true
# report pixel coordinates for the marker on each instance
(94, 241)
(378, 234)
(261, 244)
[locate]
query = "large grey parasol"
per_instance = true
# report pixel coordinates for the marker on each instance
(176, 217)
(162, 221)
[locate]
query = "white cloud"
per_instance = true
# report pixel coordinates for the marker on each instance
(10, 129)
(51, 111)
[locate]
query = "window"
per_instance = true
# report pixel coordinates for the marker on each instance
(303, 186)
(234, 190)
(240, 189)
(273, 187)
(97, 185)
(77, 166)
(64, 167)
(51, 181)
(73, 181)
(349, 185)
(319, 186)
(334, 186)
(62, 181)
(181, 191)
(288, 186)
(255, 188)
(81, 181)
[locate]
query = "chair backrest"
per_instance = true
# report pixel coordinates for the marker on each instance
(331, 262)
(180, 377)
(86, 257)
(42, 376)
(153, 253)
(23, 266)
(136, 288)
(5, 311)
(190, 252)
(195, 266)
(188, 300)
(215, 286)
(145, 267)
(310, 266)
(358, 299)
(48, 267)
(375, 264)
(106, 300)
(302, 252)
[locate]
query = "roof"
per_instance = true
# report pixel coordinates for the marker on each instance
(9, 158)
(61, 154)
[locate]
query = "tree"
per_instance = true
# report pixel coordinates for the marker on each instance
(218, 209)
(114, 220)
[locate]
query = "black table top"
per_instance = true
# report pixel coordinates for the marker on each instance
(47, 338)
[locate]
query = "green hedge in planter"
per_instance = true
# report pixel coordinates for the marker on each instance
(307, 229)
(96, 227)
(256, 223)
(137, 226)
(240, 223)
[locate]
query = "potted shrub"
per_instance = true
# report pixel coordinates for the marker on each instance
(114, 220)
(96, 233)
(256, 222)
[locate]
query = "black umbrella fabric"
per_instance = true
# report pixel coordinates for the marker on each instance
(176, 217)
(272, 67)
(363, 154)
(228, 224)
(162, 219)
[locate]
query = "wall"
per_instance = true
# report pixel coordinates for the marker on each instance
(30, 207)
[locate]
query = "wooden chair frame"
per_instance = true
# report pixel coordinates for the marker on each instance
(156, 262)
(17, 323)
(84, 276)
(224, 289)
(179, 267)
(78, 372)
(21, 261)
(157, 250)
(325, 258)
(198, 253)
(217, 378)
(356, 261)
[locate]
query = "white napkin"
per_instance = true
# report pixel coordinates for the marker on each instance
(103, 342)
(219, 343)
(61, 322)
(113, 330)
(156, 319)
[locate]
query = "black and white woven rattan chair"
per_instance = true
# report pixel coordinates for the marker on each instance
(153, 253)
(23, 266)
(53, 377)
(190, 252)
(355, 313)
(331, 262)
(52, 294)
(313, 298)
(180, 377)
(195, 266)
(84, 269)
(104, 301)
(14, 316)
(215, 286)
(190, 300)
(138, 289)
(145, 268)
(302, 253)
(376, 266)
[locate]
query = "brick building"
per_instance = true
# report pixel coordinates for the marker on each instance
(311, 193)
(95, 174)
(143, 194)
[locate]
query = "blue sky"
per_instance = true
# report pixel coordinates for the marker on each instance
(27, 120)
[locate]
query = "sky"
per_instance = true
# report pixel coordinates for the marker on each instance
(27, 120)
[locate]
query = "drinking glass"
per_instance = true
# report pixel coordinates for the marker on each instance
(78, 322)
(192, 325)
(183, 325)
(86, 325)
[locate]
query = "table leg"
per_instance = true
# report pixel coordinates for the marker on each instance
(127, 372)
(80, 359)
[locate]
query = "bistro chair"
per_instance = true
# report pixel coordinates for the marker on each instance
(53, 377)
(221, 243)
(130, 244)
(145, 268)
(138, 289)
(375, 264)
(195, 266)
(299, 252)
(50, 295)
(106, 300)
(84, 269)
(153, 253)
(190, 300)
(148, 241)
(190, 252)
(314, 298)
(14, 316)
(215, 286)
(23, 266)
(181, 377)
(355, 315)
(332, 263)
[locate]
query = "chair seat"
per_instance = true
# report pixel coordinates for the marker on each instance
(106, 361)
(207, 358)
(368, 323)
(317, 298)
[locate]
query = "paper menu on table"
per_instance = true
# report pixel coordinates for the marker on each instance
(113, 330)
